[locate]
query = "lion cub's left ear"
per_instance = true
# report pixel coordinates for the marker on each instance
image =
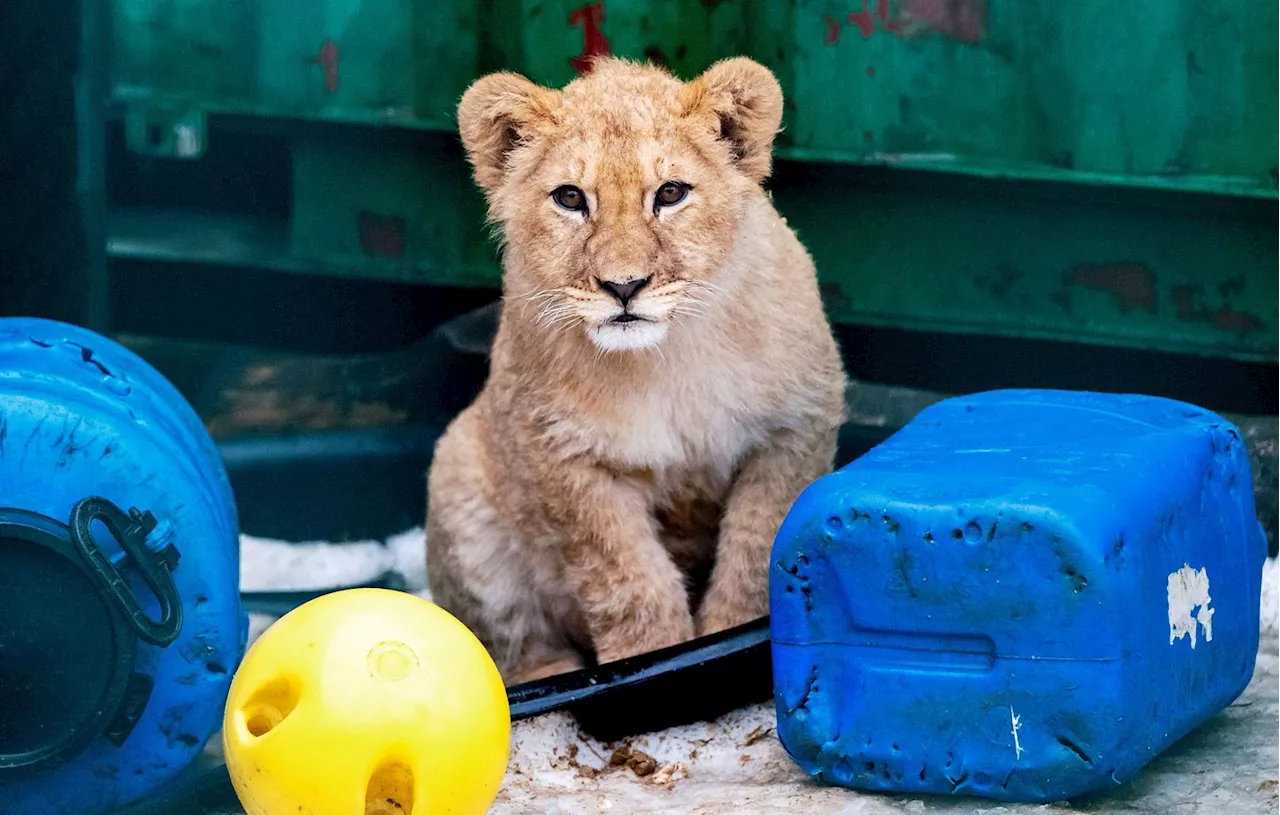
(747, 99)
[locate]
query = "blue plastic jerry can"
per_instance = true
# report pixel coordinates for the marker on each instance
(120, 616)
(1022, 595)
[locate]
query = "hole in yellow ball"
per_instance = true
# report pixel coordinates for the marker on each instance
(390, 790)
(261, 720)
(270, 705)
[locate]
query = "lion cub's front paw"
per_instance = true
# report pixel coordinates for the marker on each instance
(715, 617)
(629, 642)
(554, 668)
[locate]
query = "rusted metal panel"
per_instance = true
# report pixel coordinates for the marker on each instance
(1177, 273)
(1157, 271)
(1164, 93)
(397, 211)
(1166, 96)
(368, 61)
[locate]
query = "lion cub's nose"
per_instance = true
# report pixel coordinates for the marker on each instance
(624, 291)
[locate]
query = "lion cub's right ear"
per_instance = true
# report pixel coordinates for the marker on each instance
(496, 114)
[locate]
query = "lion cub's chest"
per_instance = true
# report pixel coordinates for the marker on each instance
(696, 426)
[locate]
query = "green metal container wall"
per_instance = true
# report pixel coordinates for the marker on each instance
(1191, 276)
(394, 207)
(402, 62)
(1108, 119)
(1166, 93)
(1171, 92)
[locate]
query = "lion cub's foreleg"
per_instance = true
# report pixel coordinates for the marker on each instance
(484, 571)
(630, 592)
(762, 494)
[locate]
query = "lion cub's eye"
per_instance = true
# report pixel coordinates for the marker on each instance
(570, 198)
(670, 194)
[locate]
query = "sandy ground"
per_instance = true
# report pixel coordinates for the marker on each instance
(736, 765)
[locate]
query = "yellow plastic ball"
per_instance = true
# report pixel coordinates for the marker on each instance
(367, 702)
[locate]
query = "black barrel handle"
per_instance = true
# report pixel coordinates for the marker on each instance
(131, 530)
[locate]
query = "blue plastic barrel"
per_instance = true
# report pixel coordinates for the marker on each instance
(120, 621)
(1022, 595)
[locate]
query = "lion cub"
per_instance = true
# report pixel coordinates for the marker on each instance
(663, 383)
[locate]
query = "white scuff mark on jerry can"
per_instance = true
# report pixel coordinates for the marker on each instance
(1189, 605)
(1016, 721)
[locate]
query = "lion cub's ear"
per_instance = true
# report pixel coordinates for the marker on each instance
(747, 99)
(496, 113)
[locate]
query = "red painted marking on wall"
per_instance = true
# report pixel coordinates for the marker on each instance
(328, 60)
(962, 20)
(864, 20)
(1131, 285)
(1240, 322)
(833, 30)
(1190, 310)
(381, 236)
(871, 72)
(594, 43)
(892, 23)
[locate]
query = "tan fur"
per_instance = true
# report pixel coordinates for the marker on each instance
(606, 467)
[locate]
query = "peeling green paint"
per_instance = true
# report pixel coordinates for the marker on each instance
(1066, 146)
